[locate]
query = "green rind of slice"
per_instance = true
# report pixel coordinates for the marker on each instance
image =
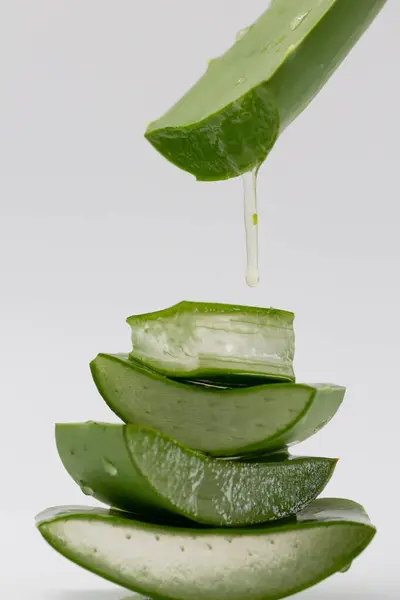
(263, 563)
(228, 122)
(220, 422)
(134, 468)
(218, 343)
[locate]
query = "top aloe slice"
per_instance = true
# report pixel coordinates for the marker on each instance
(228, 122)
(179, 563)
(219, 343)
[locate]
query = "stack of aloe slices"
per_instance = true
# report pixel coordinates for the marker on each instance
(206, 501)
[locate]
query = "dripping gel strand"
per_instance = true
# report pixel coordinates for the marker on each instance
(251, 226)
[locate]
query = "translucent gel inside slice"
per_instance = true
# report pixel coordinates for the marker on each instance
(237, 342)
(205, 566)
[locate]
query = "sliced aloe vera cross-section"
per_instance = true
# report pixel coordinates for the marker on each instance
(263, 563)
(216, 342)
(132, 467)
(228, 122)
(221, 422)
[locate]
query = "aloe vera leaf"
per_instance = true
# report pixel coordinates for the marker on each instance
(220, 422)
(181, 563)
(131, 467)
(228, 122)
(219, 343)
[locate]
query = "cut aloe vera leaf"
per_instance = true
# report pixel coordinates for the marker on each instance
(219, 343)
(220, 422)
(228, 122)
(132, 467)
(263, 563)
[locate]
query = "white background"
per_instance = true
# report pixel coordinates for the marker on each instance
(95, 225)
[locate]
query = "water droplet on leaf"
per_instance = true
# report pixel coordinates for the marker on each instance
(347, 568)
(242, 33)
(109, 468)
(211, 63)
(290, 50)
(87, 490)
(297, 21)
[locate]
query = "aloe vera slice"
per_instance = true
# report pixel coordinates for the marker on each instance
(131, 467)
(263, 563)
(221, 422)
(219, 343)
(228, 122)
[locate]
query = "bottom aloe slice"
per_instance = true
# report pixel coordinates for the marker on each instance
(131, 467)
(263, 563)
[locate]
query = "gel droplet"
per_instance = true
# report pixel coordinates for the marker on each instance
(109, 468)
(297, 21)
(251, 226)
(241, 80)
(242, 33)
(87, 490)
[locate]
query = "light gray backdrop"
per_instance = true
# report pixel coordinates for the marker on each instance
(95, 225)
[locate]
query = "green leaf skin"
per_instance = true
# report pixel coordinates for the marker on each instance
(228, 122)
(220, 422)
(180, 563)
(132, 468)
(216, 343)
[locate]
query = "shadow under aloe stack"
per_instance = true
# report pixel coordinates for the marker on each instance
(206, 500)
